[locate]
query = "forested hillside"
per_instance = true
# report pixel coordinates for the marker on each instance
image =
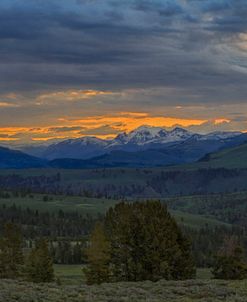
(126, 183)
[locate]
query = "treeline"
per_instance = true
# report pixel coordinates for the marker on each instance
(207, 241)
(200, 181)
(47, 224)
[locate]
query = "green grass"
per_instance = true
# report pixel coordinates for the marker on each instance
(196, 221)
(59, 202)
(204, 274)
(69, 274)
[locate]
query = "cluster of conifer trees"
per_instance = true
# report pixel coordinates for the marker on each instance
(138, 241)
(37, 266)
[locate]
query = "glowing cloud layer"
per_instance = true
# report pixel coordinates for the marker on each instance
(99, 126)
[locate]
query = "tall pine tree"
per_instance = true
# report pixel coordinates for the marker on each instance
(98, 253)
(11, 256)
(39, 267)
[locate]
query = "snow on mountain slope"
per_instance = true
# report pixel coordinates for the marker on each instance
(146, 135)
(141, 135)
(84, 147)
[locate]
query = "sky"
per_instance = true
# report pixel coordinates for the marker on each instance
(70, 68)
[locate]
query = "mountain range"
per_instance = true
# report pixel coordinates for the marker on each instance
(143, 147)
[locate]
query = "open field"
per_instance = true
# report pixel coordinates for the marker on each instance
(54, 203)
(196, 221)
(185, 203)
(69, 274)
(162, 291)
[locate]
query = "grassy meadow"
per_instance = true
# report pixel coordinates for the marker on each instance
(94, 206)
(54, 203)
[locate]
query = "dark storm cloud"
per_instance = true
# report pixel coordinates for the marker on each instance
(188, 45)
(164, 8)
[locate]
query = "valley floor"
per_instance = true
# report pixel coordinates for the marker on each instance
(162, 291)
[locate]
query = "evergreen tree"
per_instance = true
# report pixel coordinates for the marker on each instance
(39, 266)
(230, 263)
(11, 256)
(145, 244)
(98, 253)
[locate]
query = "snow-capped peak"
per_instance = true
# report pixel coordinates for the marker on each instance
(180, 133)
(147, 134)
(140, 135)
(144, 133)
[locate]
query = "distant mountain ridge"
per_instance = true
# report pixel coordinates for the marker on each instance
(181, 153)
(140, 139)
(13, 159)
(143, 147)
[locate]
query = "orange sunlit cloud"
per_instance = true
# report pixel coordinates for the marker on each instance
(72, 95)
(5, 104)
(65, 128)
(242, 41)
(221, 121)
(105, 126)
(128, 122)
